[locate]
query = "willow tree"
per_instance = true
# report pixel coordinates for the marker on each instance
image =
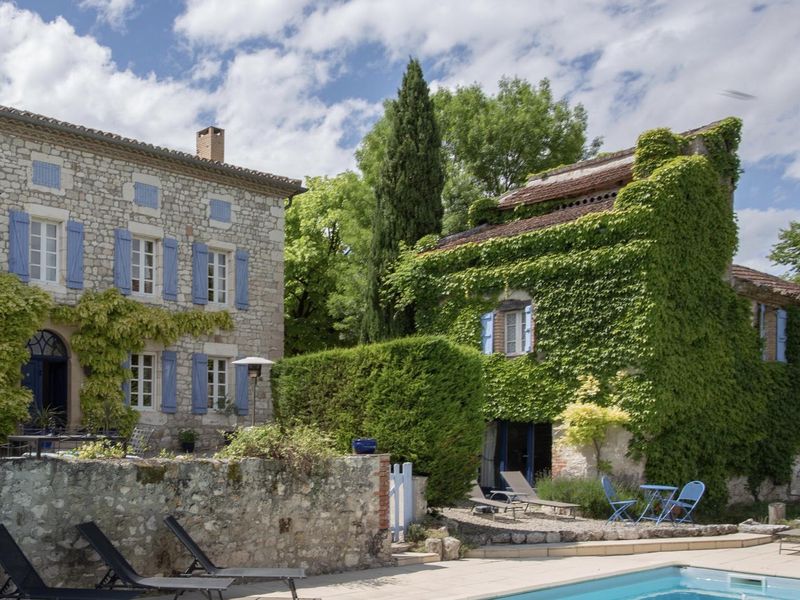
(408, 197)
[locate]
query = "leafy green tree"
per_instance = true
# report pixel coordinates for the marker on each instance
(327, 246)
(491, 143)
(408, 197)
(787, 251)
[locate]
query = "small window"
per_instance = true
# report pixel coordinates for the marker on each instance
(143, 268)
(514, 332)
(217, 383)
(220, 210)
(44, 251)
(46, 174)
(145, 194)
(143, 381)
(217, 277)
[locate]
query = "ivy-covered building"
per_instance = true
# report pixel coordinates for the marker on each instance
(192, 245)
(617, 270)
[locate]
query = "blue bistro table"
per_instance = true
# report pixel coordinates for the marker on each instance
(657, 496)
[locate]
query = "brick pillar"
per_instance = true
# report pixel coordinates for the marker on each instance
(211, 144)
(383, 491)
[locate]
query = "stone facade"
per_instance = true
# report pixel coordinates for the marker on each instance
(98, 178)
(247, 513)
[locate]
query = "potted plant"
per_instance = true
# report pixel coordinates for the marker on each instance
(187, 438)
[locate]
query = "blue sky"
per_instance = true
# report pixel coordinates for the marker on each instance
(296, 83)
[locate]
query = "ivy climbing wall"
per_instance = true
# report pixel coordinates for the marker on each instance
(637, 297)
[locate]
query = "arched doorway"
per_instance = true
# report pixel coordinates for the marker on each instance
(45, 375)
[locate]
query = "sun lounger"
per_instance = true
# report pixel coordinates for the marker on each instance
(525, 493)
(478, 499)
(202, 562)
(24, 582)
(120, 572)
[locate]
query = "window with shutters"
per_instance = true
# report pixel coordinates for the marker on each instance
(142, 383)
(46, 174)
(514, 332)
(143, 266)
(44, 251)
(218, 276)
(217, 383)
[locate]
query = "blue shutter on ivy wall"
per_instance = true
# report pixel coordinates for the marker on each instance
(122, 260)
(74, 255)
(780, 350)
(199, 273)
(528, 342)
(19, 228)
(242, 283)
(169, 381)
(126, 384)
(487, 332)
(199, 383)
(170, 269)
(242, 383)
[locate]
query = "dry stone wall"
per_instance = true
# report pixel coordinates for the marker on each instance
(243, 513)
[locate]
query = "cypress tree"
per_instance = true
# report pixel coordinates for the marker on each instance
(408, 197)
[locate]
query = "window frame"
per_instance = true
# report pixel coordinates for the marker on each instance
(43, 252)
(137, 391)
(225, 287)
(519, 334)
(213, 383)
(139, 277)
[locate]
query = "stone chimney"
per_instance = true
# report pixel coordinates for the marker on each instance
(211, 144)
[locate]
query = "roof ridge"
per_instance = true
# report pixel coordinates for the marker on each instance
(37, 119)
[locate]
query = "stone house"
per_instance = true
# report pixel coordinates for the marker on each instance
(560, 278)
(88, 210)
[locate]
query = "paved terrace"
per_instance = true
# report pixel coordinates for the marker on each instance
(479, 579)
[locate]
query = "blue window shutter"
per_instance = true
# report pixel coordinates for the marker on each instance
(199, 383)
(242, 280)
(220, 210)
(528, 328)
(170, 269)
(46, 174)
(199, 273)
(126, 384)
(122, 260)
(487, 332)
(169, 381)
(74, 255)
(242, 382)
(19, 225)
(145, 195)
(780, 350)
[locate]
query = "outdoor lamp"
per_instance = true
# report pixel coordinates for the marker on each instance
(254, 364)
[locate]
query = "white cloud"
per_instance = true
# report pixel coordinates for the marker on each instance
(758, 232)
(113, 12)
(49, 69)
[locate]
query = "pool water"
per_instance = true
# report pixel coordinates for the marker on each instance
(672, 583)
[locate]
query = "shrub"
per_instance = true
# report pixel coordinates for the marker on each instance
(100, 449)
(420, 397)
(587, 492)
(301, 447)
(484, 211)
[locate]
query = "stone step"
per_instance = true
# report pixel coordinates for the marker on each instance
(404, 559)
(735, 540)
(400, 547)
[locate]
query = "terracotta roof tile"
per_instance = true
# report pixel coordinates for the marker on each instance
(765, 281)
(564, 215)
(284, 183)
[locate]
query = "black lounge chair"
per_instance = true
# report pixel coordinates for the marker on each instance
(24, 582)
(121, 572)
(202, 562)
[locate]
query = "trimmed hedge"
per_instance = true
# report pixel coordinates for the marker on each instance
(420, 397)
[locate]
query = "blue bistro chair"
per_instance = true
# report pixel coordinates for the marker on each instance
(620, 507)
(688, 499)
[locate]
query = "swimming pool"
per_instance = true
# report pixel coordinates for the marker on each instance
(672, 583)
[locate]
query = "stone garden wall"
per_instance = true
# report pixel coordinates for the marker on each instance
(248, 513)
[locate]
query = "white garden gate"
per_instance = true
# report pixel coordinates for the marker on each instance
(401, 500)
